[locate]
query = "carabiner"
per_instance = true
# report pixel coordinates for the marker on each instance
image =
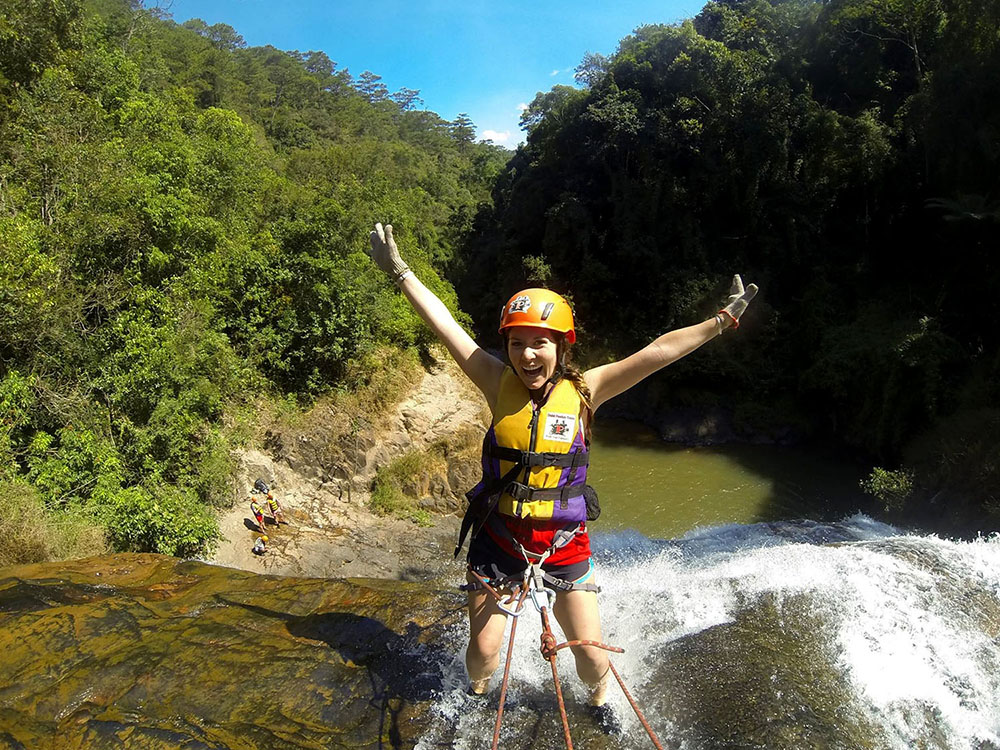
(541, 597)
(510, 605)
(547, 597)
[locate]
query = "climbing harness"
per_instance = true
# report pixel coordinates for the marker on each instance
(533, 586)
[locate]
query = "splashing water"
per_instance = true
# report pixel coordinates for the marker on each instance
(908, 625)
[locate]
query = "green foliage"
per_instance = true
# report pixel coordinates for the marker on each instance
(881, 377)
(17, 403)
(395, 481)
(69, 467)
(29, 533)
(183, 222)
(957, 462)
(164, 519)
(892, 488)
(33, 34)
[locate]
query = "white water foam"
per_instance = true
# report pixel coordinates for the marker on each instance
(912, 636)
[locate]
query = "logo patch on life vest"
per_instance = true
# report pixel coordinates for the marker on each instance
(520, 304)
(559, 427)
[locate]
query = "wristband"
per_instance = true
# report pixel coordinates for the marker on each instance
(404, 274)
(736, 322)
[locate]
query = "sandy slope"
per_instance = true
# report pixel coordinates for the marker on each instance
(330, 532)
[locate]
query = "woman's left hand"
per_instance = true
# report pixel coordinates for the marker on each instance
(739, 298)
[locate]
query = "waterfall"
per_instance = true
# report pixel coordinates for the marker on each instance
(794, 634)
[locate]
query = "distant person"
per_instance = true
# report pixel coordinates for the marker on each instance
(260, 546)
(276, 512)
(530, 504)
(258, 513)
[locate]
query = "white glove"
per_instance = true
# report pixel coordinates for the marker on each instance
(386, 255)
(739, 298)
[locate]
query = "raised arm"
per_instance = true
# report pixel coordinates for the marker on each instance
(482, 368)
(607, 381)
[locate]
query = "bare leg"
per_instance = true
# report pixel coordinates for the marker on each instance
(486, 627)
(580, 620)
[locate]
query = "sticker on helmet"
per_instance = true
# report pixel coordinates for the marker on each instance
(547, 310)
(520, 304)
(559, 428)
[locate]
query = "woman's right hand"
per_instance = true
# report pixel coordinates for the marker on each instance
(385, 253)
(738, 299)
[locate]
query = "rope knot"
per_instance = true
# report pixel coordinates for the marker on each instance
(548, 645)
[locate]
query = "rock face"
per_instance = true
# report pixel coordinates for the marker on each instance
(769, 679)
(145, 651)
(444, 411)
(148, 652)
(324, 485)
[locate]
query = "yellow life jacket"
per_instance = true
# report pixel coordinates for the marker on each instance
(534, 459)
(548, 440)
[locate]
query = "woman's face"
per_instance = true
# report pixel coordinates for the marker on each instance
(533, 353)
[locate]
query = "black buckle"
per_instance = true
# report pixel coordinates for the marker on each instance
(520, 492)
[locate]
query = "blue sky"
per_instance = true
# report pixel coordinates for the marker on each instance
(487, 59)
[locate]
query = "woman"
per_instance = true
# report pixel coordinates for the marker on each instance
(531, 505)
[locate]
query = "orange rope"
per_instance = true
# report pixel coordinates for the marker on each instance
(595, 644)
(635, 707)
(549, 652)
(549, 649)
(506, 672)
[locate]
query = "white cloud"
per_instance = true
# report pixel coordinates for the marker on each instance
(496, 137)
(554, 73)
(522, 107)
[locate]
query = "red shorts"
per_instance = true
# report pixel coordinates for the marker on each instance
(537, 537)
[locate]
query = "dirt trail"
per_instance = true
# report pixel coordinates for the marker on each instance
(331, 532)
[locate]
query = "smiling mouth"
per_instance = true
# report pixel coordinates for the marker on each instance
(532, 371)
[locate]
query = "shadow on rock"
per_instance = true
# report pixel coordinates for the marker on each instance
(251, 525)
(400, 668)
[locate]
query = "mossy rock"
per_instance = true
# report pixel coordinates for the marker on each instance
(767, 680)
(145, 651)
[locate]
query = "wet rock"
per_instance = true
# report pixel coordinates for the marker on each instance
(145, 651)
(767, 680)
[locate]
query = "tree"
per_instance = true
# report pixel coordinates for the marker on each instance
(407, 99)
(463, 130)
(548, 103)
(221, 35)
(32, 35)
(591, 69)
(372, 87)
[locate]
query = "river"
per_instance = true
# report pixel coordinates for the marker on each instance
(665, 490)
(777, 618)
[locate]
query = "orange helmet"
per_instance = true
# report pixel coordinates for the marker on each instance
(539, 308)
